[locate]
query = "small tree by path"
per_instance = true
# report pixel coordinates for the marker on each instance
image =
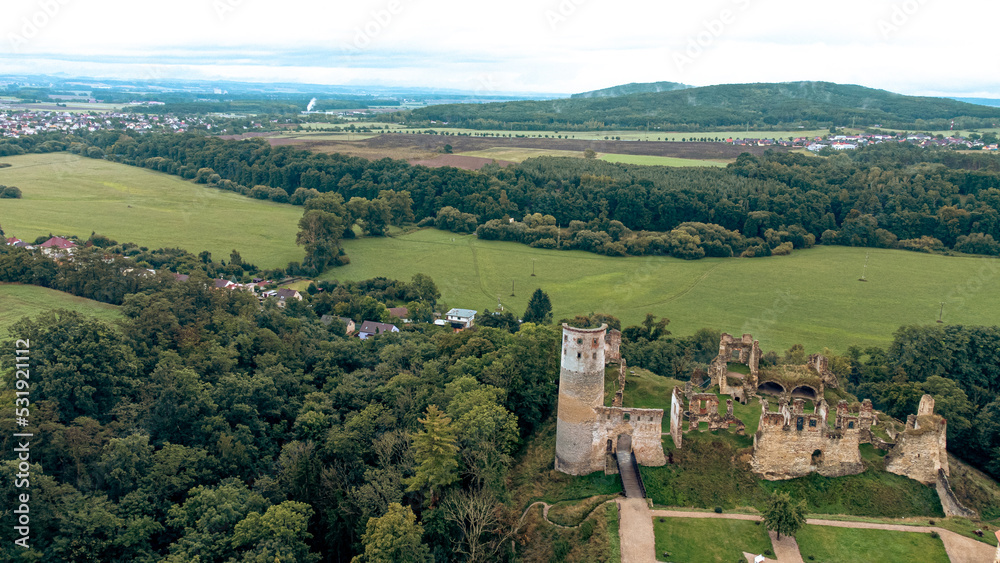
(784, 516)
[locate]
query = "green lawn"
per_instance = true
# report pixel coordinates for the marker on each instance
(658, 160)
(68, 194)
(703, 540)
(828, 544)
(812, 297)
(17, 301)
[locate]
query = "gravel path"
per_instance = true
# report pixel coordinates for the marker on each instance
(636, 531)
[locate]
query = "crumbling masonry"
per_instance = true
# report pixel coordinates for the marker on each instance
(586, 430)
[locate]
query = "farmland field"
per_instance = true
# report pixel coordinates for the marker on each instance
(658, 160)
(17, 301)
(72, 195)
(812, 297)
(516, 154)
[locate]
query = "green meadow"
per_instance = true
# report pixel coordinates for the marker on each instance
(66, 194)
(812, 297)
(17, 301)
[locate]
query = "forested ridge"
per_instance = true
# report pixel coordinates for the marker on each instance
(763, 106)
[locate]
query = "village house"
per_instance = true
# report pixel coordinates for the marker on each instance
(57, 247)
(461, 318)
(401, 313)
(372, 328)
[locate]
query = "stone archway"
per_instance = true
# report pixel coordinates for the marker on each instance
(770, 388)
(805, 392)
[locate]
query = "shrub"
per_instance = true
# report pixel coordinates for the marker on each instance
(10, 192)
(718, 510)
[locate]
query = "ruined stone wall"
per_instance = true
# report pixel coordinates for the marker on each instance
(581, 390)
(819, 364)
(793, 443)
(612, 346)
(704, 407)
(620, 392)
(645, 426)
(949, 502)
(676, 411)
(920, 449)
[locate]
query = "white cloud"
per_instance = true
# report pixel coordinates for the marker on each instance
(912, 46)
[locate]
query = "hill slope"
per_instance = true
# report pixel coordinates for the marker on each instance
(632, 88)
(762, 106)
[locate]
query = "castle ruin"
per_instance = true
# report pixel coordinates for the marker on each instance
(793, 443)
(587, 432)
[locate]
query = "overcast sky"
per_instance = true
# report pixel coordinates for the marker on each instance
(927, 47)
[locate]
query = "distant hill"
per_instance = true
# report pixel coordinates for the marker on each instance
(992, 102)
(762, 106)
(632, 88)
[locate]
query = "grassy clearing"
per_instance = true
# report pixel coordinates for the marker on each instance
(17, 301)
(828, 544)
(712, 469)
(811, 297)
(643, 389)
(658, 160)
(701, 540)
(68, 194)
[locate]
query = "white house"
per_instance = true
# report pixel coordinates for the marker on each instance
(461, 318)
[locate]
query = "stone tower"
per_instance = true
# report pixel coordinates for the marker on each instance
(581, 390)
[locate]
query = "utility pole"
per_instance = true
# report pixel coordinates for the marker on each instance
(865, 269)
(532, 267)
(941, 314)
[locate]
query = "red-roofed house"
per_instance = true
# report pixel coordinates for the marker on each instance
(400, 313)
(57, 246)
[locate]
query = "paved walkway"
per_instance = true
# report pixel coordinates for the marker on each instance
(636, 531)
(960, 549)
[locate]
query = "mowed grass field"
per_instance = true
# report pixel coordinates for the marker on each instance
(705, 540)
(831, 545)
(17, 301)
(812, 297)
(66, 194)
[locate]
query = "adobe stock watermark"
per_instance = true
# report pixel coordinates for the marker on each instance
(899, 16)
(30, 26)
(562, 11)
(711, 31)
(367, 33)
(225, 7)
